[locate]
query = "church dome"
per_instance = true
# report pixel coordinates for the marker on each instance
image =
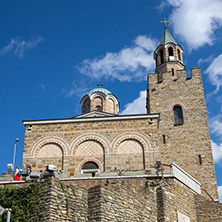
(101, 100)
(102, 90)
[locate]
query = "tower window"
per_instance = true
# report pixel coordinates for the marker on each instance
(178, 114)
(98, 103)
(172, 71)
(170, 51)
(86, 106)
(179, 55)
(161, 56)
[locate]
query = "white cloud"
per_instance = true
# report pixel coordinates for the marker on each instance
(206, 60)
(217, 152)
(220, 193)
(138, 106)
(215, 124)
(43, 87)
(18, 46)
(196, 20)
(129, 64)
(78, 88)
(215, 72)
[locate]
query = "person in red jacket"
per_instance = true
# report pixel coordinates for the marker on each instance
(16, 176)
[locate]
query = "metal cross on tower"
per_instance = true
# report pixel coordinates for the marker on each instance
(99, 84)
(165, 21)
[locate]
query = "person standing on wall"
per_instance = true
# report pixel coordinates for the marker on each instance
(16, 176)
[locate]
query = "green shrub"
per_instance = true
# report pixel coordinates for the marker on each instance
(25, 202)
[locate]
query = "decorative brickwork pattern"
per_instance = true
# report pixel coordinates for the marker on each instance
(97, 139)
(129, 147)
(106, 134)
(89, 148)
(49, 140)
(49, 150)
(134, 138)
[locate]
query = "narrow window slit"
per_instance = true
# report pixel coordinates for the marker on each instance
(164, 139)
(200, 159)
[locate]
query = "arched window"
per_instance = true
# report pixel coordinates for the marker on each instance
(179, 55)
(86, 106)
(98, 104)
(98, 108)
(90, 166)
(161, 56)
(178, 114)
(170, 51)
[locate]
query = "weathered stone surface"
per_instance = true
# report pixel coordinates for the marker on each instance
(125, 144)
(156, 200)
(191, 139)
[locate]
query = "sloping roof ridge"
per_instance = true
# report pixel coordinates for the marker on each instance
(167, 38)
(94, 112)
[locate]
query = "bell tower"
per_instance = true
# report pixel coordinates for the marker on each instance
(183, 127)
(168, 55)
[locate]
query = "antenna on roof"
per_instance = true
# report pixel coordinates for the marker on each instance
(165, 21)
(99, 84)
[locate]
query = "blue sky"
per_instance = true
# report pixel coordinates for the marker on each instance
(53, 52)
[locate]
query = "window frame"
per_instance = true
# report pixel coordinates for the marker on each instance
(178, 115)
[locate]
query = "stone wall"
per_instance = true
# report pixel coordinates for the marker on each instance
(63, 203)
(185, 143)
(136, 199)
(174, 197)
(121, 201)
(208, 210)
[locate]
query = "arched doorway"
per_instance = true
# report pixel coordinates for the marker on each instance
(90, 167)
(90, 148)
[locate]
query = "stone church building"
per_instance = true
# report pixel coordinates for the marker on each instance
(175, 128)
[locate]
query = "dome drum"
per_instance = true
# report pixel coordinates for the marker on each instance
(101, 100)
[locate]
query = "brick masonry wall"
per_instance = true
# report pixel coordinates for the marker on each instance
(185, 142)
(90, 141)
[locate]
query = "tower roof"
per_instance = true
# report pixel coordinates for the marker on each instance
(102, 90)
(167, 38)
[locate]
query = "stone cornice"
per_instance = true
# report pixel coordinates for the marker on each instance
(91, 119)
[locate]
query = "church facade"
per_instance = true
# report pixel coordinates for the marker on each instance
(175, 128)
